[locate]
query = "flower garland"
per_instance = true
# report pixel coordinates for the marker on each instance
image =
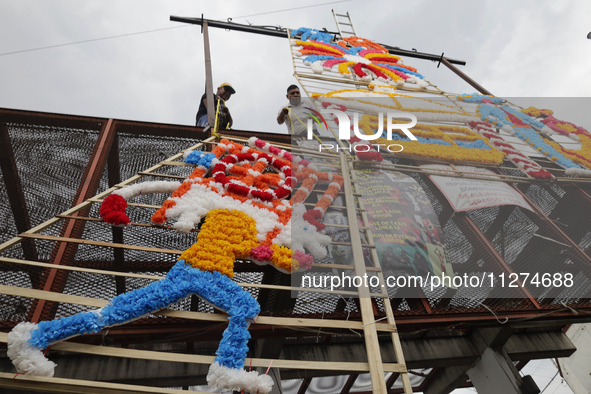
(365, 155)
(26, 340)
(307, 33)
(479, 98)
(517, 123)
(525, 164)
(424, 109)
(369, 155)
(308, 175)
(568, 129)
(113, 207)
(435, 142)
(365, 59)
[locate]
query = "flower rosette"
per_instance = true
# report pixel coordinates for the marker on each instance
(245, 190)
(354, 57)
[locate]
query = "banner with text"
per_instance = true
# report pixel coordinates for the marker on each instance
(406, 231)
(464, 194)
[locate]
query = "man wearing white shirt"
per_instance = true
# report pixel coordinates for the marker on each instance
(294, 114)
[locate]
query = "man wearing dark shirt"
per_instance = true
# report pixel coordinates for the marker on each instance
(225, 91)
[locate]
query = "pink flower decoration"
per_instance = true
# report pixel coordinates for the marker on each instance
(262, 253)
(305, 260)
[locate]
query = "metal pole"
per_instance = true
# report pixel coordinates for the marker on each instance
(281, 33)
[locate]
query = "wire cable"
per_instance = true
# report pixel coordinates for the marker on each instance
(91, 40)
(291, 9)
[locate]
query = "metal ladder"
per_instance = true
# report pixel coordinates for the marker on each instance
(347, 22)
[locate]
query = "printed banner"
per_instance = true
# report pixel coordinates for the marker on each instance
(465, 194)
(406, 231)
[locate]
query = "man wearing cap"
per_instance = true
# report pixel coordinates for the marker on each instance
(225, 91)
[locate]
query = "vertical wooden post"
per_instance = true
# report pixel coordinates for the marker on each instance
(406, 385)
(208, 78)
(372, 345)
(466, 78)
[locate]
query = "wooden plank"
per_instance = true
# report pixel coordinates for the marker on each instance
(269, 320)
(256, 285)
(200, 359)
(163, 175)
(372, 344)
(61, 385)
(130, 224)
(97, 198)
(407, 386)
(176, 163)
(209, 101)
(100, 243)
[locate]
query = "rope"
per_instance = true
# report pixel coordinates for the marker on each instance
(216, 124)
(315, 136)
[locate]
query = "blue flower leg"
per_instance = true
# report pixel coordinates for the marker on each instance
(240, 305)
(121, 309)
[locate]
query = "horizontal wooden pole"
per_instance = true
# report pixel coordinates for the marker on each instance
(100, 243)
(200, 359)
(62, 385)
(268, 320)
(16, 240)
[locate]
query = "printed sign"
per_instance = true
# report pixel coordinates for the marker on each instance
(406, 231)
(465, 194)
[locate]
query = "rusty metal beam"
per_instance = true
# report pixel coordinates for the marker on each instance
(114, 175)
(209, 93)
(304, 386)
(480, 243)
(391, 379)
(466, 78)
(484, 245)
(64, 252)
(14, 189)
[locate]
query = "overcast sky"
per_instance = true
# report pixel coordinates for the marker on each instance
(513, 48)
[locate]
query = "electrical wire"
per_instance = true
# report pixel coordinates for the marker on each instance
(291, 9)
(155, 30)
(91, 40)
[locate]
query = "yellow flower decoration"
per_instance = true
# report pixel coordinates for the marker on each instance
(435, 151)
(225, 236)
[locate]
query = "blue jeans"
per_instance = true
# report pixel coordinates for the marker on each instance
(202, 121)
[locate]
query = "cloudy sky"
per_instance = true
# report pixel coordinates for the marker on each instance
(513, 48)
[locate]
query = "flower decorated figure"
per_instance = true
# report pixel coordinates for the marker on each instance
(246, 215)
(353, 56)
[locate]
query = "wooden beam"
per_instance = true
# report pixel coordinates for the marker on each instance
(200, 359)
(99, 243)
(208, 78)
(61, 385)
(374, 357)
(270, 320)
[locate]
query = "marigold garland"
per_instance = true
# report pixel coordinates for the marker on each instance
(423, 109)
(436, 142)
